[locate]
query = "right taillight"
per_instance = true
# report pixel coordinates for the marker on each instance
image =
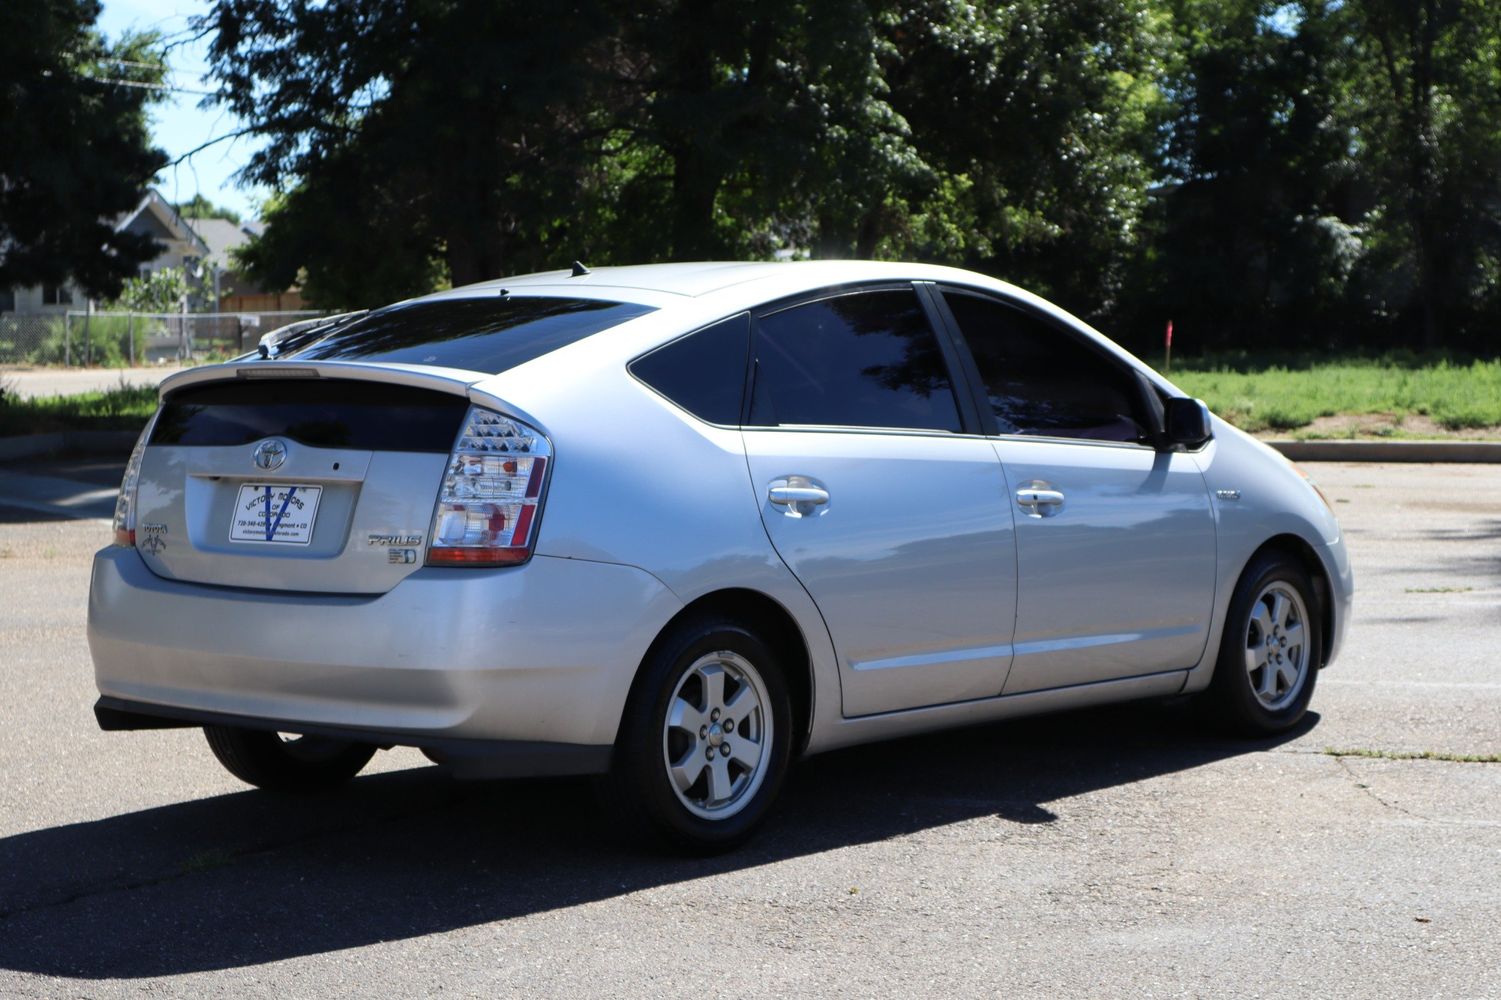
(491, 494)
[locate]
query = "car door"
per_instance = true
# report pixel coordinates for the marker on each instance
(875, 494)
(1115, 539)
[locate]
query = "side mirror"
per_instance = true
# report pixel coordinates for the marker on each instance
(1187, 423)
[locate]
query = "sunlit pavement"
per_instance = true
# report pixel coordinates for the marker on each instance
(1121, 852)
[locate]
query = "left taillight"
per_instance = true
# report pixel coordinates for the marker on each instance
(491, 496)
(125, 505)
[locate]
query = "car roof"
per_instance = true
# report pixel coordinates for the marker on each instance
(700, 278)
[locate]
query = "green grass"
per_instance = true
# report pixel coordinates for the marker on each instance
(1285, 394)
(119, 409)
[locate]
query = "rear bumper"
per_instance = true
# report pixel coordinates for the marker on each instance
(537, 654)
(465, 758)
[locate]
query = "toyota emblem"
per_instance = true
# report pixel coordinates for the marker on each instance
(269, 454)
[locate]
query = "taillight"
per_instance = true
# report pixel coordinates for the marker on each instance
(491, 493)
(125, 505)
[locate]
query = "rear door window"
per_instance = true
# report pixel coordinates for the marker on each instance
(490, 334)
(1040, 380)
(865, 359)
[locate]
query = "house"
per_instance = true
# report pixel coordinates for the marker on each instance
(233, 291)
(190, 244)
(153, 216)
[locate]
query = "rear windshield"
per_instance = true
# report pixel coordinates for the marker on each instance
(490, 335)
(324, 413)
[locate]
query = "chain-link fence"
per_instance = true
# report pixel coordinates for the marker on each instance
(123, 338)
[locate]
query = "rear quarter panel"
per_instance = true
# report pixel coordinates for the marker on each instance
(639, 482)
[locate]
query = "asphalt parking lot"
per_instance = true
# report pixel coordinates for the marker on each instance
(1124, 852)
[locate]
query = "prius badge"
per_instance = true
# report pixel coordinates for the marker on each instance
(269, 454)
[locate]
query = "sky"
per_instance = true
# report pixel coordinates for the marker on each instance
(177, 123)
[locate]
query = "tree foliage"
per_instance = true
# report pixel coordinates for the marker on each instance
(199, 207)
(1264, 173)
(1427, 106)
(75, 154)
(164, 290)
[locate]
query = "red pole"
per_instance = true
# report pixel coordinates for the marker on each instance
(1167, 349)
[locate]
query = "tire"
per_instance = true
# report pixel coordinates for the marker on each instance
(707, 687)
(1271, 649)
(300, 764)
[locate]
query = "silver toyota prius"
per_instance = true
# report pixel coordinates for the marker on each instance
(680, 524)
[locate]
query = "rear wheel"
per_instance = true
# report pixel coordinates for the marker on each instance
(1272, 646)
(286, 763)
(706, 738)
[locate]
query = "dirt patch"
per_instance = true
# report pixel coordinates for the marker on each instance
(1383, 425)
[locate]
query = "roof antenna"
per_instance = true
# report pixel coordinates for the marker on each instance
(579, 270)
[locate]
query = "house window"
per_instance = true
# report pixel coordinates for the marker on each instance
(7, 300)
(56, 295)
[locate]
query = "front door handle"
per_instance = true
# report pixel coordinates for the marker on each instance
(1039, 502)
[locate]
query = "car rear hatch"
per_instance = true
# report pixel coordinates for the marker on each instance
(293, 477)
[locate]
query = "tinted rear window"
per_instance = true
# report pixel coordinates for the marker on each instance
(490, 335)
(325, 413)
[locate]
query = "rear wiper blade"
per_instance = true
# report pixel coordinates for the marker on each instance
(285, 338)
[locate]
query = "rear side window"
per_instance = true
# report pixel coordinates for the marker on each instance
(704, 372)
(1041, 381)
(490, 335)
(868, 359)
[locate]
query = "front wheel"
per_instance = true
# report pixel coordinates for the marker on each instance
(292, 764)
(1271, 650)
(705, 741)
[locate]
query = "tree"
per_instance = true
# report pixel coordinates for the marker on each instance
(1255, 228)
(202, 208)
(1040, 121)
(493, 138)
(1427, 108)
(164, 290)
(76, 153)
(456, 130)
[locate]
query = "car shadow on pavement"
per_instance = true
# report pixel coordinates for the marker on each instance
(249, 878)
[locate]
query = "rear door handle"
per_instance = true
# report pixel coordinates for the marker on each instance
(1038, 502)
(797, 494)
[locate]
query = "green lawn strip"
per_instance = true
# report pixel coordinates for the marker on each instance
(1458, 758)
(1286, 394)
(119, 409)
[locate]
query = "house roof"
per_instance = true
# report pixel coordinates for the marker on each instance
(155, 215)
(222, 236)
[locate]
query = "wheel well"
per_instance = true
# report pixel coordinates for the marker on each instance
(773, 623)
(1299, 550)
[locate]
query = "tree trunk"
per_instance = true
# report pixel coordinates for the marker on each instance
(694, 187)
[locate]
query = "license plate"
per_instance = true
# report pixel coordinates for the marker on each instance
(278, 513)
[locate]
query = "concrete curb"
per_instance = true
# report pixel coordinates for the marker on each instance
(68, 443)
(1390, 451)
